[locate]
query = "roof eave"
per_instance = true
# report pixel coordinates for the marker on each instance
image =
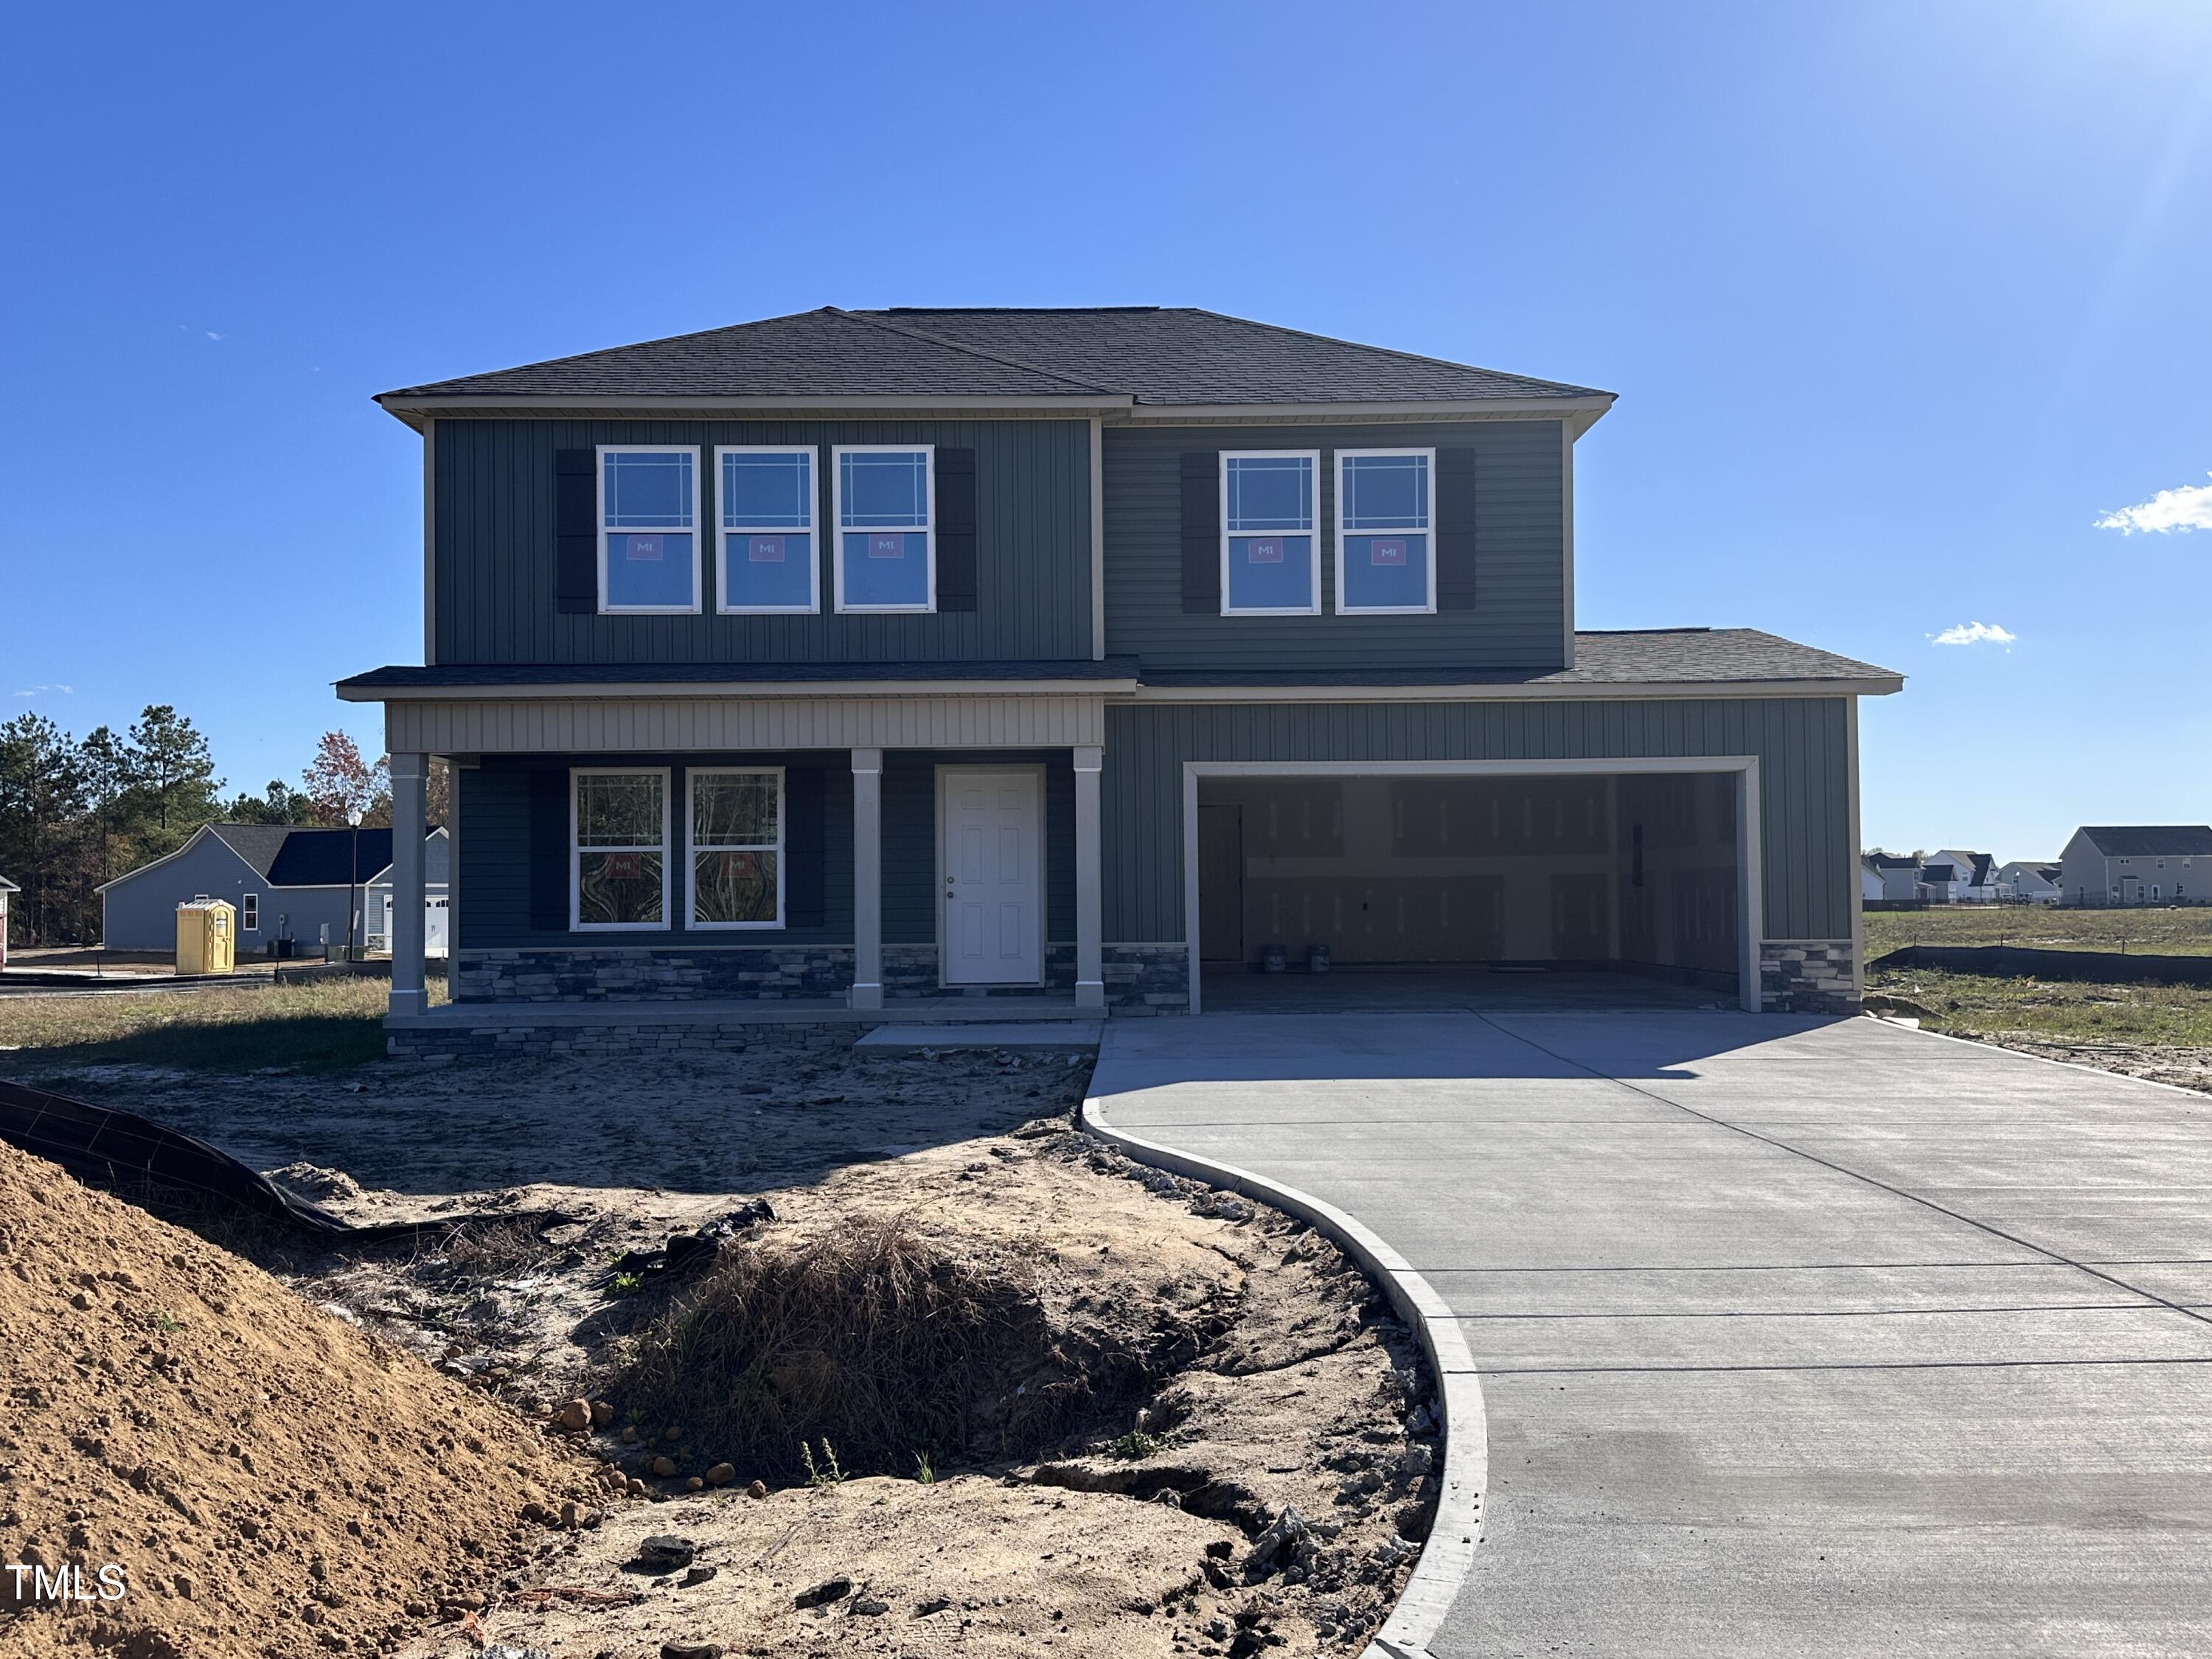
(414, 407)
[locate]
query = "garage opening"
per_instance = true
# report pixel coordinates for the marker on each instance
(1331, 890)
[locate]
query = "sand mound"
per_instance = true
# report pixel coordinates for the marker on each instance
(268, 1478)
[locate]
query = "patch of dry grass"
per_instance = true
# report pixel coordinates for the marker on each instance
(323, 1026)
(2176, 932)
(2070, 1010)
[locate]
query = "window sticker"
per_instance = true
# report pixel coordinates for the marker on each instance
(643, 547)
(887, 547)
(765, 550)
(1387, 550)
(1267, 550)
(623, 866)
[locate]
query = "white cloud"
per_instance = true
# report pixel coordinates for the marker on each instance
(1974, 633)
(41, 690)
(2189, 507)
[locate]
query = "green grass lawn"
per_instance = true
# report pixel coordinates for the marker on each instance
(2058, 1010)
(2152, 932)
(324, 1027)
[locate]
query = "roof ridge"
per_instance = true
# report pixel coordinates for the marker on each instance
(972, 351)
(1389, 351)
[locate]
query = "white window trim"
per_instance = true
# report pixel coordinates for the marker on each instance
(698, 531)
(724, 533)
(1428, 534)
(576, 922)
(693, 846)
(837, 530)
(249, 913)
(1314, 569)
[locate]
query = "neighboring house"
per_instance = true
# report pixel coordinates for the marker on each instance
(435, 849)
(1954, 877)
(287, 881)
(1896, 876)
(1870, 887)
(2034, 881)
(863, 655)
(6, 888)
(2137, 863)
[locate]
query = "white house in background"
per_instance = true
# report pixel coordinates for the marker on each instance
(1891, 876)
(1952, 876)
(2033, 880)
(2137, 863)
(437, 858)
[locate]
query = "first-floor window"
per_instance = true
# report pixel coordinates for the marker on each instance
(737, 847)
(618, 851)
(1267, 541)
(249, 914)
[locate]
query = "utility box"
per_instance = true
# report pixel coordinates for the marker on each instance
(207, 936)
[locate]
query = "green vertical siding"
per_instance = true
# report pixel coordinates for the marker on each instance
(1801, 743)
(495, 583)
(1519, 619)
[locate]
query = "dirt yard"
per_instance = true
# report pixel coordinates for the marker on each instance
(1239, 1444)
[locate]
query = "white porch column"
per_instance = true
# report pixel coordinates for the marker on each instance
(1090, 973)
(867, 990)
(409, 773)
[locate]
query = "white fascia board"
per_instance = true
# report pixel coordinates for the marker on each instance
(722, 689)
(1581, 690)
(566, 405)
(1580, 413)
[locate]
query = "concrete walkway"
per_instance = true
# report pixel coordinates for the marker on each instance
(1795, 1336)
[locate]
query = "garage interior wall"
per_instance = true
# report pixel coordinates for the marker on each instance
(1636, 871)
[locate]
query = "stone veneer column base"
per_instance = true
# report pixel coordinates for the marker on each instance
(1806, 976)
(1147, 979)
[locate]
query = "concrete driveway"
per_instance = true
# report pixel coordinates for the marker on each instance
(1795, 1336)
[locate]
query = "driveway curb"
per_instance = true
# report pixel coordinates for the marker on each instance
(1447, 1556)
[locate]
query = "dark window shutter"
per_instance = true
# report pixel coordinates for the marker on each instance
(549, 852)
(1201, 533)
(806, 850)
(576, 529)
(1455, 516)
(956, 530)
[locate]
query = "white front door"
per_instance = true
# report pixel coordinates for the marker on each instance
(993, 839)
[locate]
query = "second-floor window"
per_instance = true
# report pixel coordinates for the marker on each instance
(1385, 559)
(1269, 562)
(648, 530)
(886, 546)
(765, 503)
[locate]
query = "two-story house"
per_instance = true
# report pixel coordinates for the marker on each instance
(1082, 653)
(2136, 863)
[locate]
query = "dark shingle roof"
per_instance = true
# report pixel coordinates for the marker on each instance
(285, 855)
(730, 673)
(1151, 354)
(2135, 840)
(1698, 656)
(1639, 657)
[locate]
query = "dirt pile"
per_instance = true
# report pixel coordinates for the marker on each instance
(264, 1477)
(894, 1350)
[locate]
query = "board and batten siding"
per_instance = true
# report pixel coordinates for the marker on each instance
(1519, 616)
(1801, 743)
(496, 581)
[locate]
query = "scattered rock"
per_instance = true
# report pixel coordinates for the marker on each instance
(694, 1483)
(828, 1590)
(721, 1474)
(629, 1436)
(698, 1574)
(602, 1412)
(930, 1605)
(758, 1489)
(691, 1650)
(1288, 1540)
(868, 1607)
(664, 1551)
(662, 1467)
(575, 1416)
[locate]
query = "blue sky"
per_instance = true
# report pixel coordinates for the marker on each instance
(1900, 300)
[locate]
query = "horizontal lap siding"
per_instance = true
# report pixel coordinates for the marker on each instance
(495, 583)
(494, 813)
(1519, 619)
(1800, 744)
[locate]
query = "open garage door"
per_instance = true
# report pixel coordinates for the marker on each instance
(1415, 879)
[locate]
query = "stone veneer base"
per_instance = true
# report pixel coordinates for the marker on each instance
(1807, 976)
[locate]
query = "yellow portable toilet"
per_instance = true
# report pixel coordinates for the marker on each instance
(207, 936)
